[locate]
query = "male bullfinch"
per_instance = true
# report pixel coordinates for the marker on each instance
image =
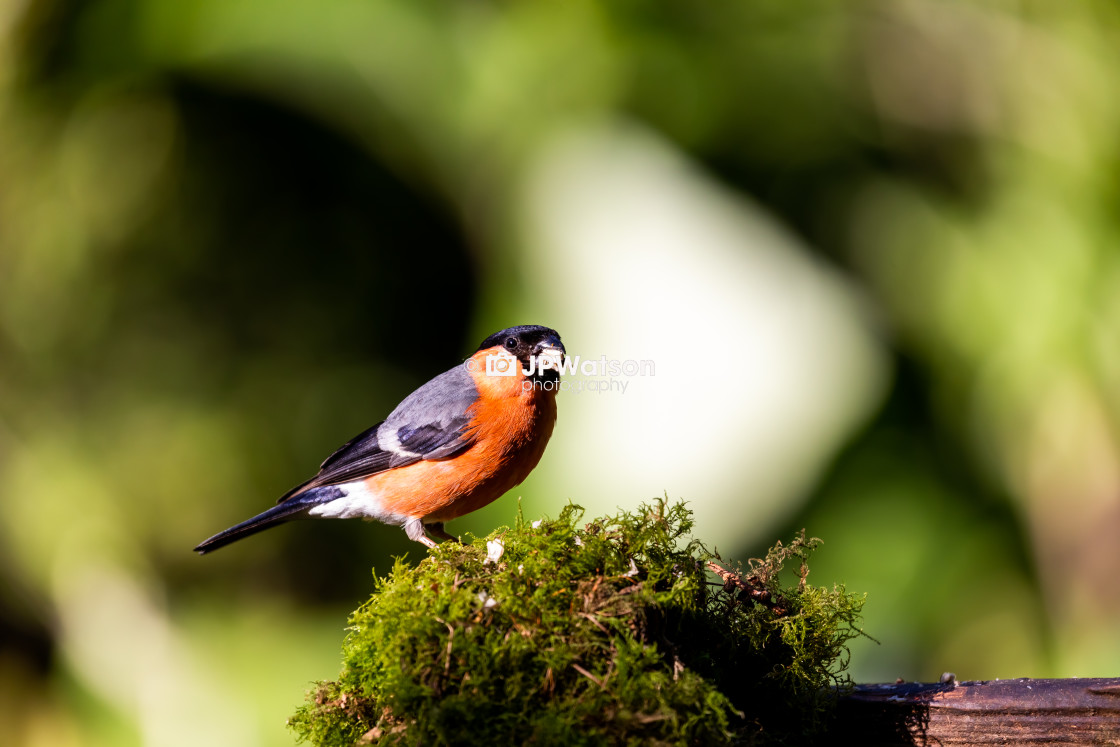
(452, 446)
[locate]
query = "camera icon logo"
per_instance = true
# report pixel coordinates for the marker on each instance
(501, 365)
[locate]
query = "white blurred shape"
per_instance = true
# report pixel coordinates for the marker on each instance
(765, 360)
(494, 551)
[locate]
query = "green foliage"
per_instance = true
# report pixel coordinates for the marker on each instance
(615, 632)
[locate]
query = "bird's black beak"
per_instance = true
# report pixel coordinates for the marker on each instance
(549, 344)
(549, 354)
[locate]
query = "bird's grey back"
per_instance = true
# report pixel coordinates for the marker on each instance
(441, 400)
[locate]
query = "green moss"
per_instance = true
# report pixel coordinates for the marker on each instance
(614, 632)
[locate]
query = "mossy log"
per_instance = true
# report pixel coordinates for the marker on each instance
(621, 630)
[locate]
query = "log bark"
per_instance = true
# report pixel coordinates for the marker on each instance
(1023, 711)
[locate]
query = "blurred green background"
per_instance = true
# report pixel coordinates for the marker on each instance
(872, 249)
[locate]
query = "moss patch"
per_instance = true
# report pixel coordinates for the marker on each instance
(624, 630)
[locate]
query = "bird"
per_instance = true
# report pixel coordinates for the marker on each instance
(454, 445)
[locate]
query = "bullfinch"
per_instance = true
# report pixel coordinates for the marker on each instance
(452, 446)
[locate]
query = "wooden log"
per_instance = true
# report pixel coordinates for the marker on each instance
(1023, 711)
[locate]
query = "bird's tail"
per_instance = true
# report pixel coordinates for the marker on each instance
(278, 514)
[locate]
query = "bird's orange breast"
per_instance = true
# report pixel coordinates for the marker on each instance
(511, 423)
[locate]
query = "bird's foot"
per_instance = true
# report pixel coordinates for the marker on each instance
(414, 528)
(436, 530)
(417, 531)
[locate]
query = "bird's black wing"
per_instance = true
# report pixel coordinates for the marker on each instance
(431, 423)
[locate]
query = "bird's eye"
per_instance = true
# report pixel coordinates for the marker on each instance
(511, 343)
